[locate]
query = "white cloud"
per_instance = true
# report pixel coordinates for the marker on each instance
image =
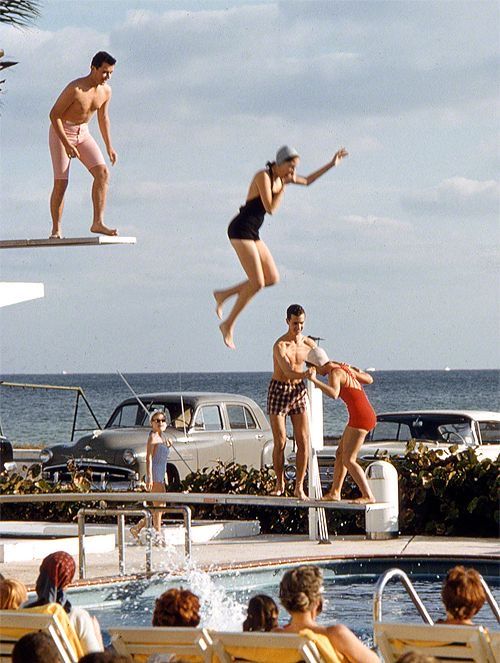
(457, 195)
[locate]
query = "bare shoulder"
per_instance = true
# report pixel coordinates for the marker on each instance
(339, 632)
(309, 342)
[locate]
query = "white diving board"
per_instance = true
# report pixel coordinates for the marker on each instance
(15, 292)
(98, 240)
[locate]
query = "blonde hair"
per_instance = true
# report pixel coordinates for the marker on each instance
(154, 413)
(12, 594)
(301, 588)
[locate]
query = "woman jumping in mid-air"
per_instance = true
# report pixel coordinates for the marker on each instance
(345, 381)
(264, 195)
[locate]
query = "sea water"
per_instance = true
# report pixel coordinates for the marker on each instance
(45, 417)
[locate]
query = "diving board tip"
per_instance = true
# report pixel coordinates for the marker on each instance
(98, 240)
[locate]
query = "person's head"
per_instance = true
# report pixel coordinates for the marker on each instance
(287, 159)
(262, 614)
(59, 567)
(415, 657)
(177, 607)
(318, 358)
(107, 656)
(295, 318)
(158, 421)
(102, 66)
(36, 647)
(462, 593)
(12, 594)
(301, 589)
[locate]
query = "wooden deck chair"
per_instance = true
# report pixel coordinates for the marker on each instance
(193, 644)
(263, 648)
(450, 644)
(495, 644)
(16, 623)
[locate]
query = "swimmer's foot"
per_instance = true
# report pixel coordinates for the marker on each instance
(135, 533)
(56, 236)
(278, 491)
(363, 500)
(227, 335)
(300, 495)
(220, 301)
(101, 229)
(331, 497)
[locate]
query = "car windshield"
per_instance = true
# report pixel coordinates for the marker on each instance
(441, 428)
(132, 415)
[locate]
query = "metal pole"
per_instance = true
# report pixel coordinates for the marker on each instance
(81, 543)
(149, 541)
(120, 521)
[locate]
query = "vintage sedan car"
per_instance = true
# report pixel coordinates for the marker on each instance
(204, 428)
(7, 463)
(437, 429)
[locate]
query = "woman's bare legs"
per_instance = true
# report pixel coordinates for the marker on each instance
(259, 266)
(346, 461)
(157, 487)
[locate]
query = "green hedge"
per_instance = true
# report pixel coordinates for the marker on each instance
(440, 494)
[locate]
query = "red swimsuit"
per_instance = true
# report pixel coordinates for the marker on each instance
(361, 413)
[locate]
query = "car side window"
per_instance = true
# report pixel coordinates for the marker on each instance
(125, 417)
(391, 431)
(208, 418)
(490, 432)
(240, 417)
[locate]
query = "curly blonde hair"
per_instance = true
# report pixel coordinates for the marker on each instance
(463, 593)
(177, 607)
(12, 594)
(301, 588)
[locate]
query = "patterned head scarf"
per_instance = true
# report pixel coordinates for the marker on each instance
(56, 572)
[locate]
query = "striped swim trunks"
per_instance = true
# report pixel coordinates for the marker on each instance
(286, 397)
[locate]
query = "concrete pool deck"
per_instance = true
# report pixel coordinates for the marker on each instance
(268, 549)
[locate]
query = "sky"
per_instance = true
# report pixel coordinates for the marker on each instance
(394, 254)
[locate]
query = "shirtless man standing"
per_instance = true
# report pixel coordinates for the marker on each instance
(287, 396)
(69, 137)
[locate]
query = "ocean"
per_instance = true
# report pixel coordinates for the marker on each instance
(39, 417)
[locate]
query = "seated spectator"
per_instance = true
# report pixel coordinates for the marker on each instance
(56, 573)
(463, 595)
(177, 607)
(301, 592)
(106, 656)
(415, 657)
(36, 647)
(12, 594)
(262, 614)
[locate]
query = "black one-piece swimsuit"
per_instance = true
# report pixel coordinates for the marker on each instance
(247, 223)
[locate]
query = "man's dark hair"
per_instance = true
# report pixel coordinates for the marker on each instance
(101, 58)
(294, 309)
(106, 656)
(36, 647)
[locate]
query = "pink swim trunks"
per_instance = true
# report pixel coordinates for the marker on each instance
(79, 136)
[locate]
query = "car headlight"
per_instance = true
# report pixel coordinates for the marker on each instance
(129, 456)
(290, 472)
(45, 455)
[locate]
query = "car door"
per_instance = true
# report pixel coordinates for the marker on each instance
(211, 436)
(248, 438)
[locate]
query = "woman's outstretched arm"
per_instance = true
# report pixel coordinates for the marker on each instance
(306, 181)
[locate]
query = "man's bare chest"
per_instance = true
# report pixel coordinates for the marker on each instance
(89, 101)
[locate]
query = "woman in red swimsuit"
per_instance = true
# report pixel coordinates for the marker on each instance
(346, 382)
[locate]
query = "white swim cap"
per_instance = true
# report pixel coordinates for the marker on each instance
(285, 153)
(317, 357)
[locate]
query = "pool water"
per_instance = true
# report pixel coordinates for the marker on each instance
(348, 595)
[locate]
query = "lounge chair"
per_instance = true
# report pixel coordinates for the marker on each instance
(16, 623)
(450, 644)
(263, 648)
(140, 643)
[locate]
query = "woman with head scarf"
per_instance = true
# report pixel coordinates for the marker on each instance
(56, 573)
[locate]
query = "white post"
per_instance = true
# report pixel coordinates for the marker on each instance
(317, 520)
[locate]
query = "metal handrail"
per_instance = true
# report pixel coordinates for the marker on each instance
(417, 601)
(407, 584)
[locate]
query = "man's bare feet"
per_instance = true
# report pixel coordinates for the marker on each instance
(299, 494)
(363, 500)
(276, 492)
(227, 335)
(331, 497)
(218, 308)
(56, 236)
(101, 229)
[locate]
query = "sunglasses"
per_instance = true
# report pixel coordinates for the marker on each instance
(159, 421)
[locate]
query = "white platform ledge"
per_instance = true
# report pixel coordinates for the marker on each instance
(98, 240)
(15, 293)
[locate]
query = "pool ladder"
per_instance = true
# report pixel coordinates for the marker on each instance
(417, 601)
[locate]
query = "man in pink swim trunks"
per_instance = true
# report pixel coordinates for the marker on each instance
(69, 137)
